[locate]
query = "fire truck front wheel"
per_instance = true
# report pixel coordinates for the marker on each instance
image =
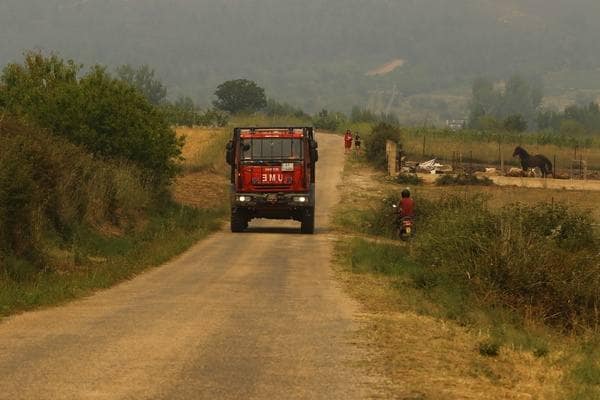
(308, 222)
(239, 222)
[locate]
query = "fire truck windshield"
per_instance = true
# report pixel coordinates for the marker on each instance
(271, 149)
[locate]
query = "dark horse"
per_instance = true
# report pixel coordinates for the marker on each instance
(529, 161)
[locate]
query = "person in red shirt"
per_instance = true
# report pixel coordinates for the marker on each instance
(348, 141)
(407, 205)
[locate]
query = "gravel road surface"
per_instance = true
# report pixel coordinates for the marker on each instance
(256, 315)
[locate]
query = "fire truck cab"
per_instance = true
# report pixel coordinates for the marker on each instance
(272, 175)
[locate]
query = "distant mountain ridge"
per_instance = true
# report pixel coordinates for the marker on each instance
(313, 53)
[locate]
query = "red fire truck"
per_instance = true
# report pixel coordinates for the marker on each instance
(272, 175)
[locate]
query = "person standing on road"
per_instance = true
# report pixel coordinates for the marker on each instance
(347, 141)
(357, 142)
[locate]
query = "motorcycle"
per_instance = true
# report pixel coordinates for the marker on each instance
(404, 228)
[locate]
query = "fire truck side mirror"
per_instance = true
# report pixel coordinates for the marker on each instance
(314, 153)
(229, 153)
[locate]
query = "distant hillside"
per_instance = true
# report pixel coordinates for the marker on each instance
(313, 53)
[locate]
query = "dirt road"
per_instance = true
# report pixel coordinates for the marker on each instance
(240, 316)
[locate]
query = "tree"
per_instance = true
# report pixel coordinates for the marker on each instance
(515, 123)
(240, 96)
(328, 121)
(143, 79)
(375, 143)
(570, 127)
(520, 97)
(105, 115)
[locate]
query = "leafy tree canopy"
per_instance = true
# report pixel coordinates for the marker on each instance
(240, 96)
(107, 116)
(144, 80)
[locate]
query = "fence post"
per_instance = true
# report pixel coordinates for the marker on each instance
(392, 157)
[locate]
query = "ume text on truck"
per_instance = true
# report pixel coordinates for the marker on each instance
(272, 175)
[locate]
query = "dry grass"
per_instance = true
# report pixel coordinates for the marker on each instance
(428, 358)
(443, 147)
(503, 195)
(204, 149)
(204, 183)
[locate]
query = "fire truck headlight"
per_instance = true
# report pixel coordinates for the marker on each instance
(244, 199)
(300, 199)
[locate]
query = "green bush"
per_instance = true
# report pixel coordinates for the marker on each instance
(106, 116)
(463, 180)
(48, 185)
(375, 144)
(542, 259)
(328, 121)
(409, 179)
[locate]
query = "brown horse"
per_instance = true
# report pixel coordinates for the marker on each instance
(529, 161)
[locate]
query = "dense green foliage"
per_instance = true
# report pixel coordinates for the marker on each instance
(107, 116)
(519, 99)
(540, 259)
(275, 108)
(50, 187)
(184, 112)
(329, 121)
(573, 121)
(375, 143)
(145, 81)
(240, 96)
(463, 180)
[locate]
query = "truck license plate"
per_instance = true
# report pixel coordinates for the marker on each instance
(287, 167)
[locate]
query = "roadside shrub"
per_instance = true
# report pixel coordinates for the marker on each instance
(463, 180)
(375, 144)
(105, 115)
(409, 179)
(329, 121)
(50, 185)
(541, 260)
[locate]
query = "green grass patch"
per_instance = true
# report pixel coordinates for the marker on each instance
(463, 180)
(409, 179)
(100, 262)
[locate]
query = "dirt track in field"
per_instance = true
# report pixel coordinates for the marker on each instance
(240, 316)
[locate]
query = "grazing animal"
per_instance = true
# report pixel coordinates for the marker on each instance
(529, 161)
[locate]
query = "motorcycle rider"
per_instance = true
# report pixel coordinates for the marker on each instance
(406, 208)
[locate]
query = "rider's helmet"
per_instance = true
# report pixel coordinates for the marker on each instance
(406, 193)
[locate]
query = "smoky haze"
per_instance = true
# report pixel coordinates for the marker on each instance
(314, 54)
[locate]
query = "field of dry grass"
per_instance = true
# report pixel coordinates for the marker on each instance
(204, 182)
(443, 148)
(425, 357)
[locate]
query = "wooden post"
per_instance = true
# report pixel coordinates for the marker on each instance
(471, 162)
(392, 157)
(554, 168)
(424, 143)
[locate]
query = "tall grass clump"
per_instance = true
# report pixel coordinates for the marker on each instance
(48, 185)
(541, 260)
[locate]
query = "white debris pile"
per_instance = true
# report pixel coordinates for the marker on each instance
(433, 167)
